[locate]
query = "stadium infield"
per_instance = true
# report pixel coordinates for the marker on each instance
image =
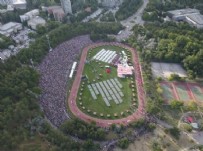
(183, 91)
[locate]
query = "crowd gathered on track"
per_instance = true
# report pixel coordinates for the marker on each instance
(54, 71)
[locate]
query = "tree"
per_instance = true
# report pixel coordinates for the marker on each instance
(175, 132)
(123, 143)
(175, 104)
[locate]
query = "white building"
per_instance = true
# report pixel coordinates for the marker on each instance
(10, 28)
(20, 4)
(37, 21)
(29, 15)
(66, 5)
(195, 20)
(6, 2)
(191, 16)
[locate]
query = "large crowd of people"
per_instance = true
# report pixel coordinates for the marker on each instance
(54, 71)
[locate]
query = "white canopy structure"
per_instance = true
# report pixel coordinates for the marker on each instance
(72, 69)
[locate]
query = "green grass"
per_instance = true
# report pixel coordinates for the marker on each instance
(92, 70)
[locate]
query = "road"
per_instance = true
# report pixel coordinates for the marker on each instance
(131, 21)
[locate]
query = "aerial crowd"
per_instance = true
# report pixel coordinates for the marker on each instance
(54, 71)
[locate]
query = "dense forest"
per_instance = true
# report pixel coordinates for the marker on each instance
(175, 42)
(21, 119)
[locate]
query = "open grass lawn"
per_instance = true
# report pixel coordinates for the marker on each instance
(96, 72)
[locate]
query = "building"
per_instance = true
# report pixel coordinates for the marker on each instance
(110, 3)
(6, 2)
(66, 5)
(191, 16)
(179, 15)
(195, 20)
(57, 12)
(20, 4)
(29, 15)
(10, 28)
(37, 21)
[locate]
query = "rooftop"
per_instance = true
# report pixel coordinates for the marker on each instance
(37, 20)
(8, 25)
(184, 11)
(197, 18)
(19, 1)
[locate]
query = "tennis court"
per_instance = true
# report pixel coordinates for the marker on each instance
(197, 92)
(183, 92)
(167, 91)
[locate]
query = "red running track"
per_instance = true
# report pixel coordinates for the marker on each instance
(140, 112)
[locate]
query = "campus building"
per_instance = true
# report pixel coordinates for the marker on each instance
(29, 15)
(10, 28)
(18, 4)
(66, 5)
(191, 16)
(37, 21)
(6, 2)
(57, 12)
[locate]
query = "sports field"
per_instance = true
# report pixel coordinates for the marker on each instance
(182, 91)
(167, 91)
(197, 92)
(96, 74)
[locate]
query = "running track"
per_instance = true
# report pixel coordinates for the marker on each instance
(140, 112)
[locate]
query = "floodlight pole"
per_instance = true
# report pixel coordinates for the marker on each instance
(47, 36)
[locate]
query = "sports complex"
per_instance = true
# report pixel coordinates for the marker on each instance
(108, 86)
(183, 91)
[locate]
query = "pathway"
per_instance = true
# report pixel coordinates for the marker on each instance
(132, 21)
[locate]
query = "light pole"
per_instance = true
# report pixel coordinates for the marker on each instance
(47, 36)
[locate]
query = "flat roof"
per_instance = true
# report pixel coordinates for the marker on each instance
(8, 25)
(37, 20)
(197, 18)
(19, 2)
(184, 11)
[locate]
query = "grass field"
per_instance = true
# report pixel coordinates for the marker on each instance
(96, 72)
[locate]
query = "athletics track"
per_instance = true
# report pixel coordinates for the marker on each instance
(140, 112)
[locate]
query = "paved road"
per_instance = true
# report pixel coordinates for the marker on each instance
(131, 21)
(140, 112)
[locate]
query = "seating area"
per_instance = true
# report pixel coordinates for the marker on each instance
(105, 56)
(109, 90)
